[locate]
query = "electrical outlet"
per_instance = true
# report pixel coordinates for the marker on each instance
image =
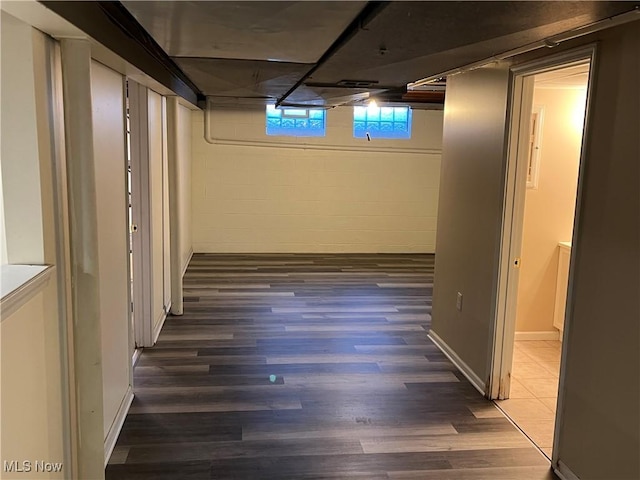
(459, 301)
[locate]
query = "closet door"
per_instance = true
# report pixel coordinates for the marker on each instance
(108, 109)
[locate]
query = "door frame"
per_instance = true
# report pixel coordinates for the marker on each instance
(513, 217)
(141, 216)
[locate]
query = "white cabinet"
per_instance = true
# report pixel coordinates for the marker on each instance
(562, 279)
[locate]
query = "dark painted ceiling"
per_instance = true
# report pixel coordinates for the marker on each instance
(332, 52)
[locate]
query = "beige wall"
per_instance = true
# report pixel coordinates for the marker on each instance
(33, 396)
(3, 236)
(341, 195)
(469, 214)
(32, 408)
(598, 434)
(19, 146)
(549, 208)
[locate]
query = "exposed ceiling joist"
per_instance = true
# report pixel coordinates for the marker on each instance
(113, 25)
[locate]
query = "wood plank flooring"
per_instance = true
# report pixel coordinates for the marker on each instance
(311, 367)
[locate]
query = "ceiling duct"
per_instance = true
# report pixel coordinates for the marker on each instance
(357, 83)
(368, 13)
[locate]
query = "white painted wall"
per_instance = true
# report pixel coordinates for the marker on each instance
(254, 193)
(110, 174)
(549, 209)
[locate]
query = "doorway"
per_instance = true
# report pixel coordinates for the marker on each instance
(134, 289)
(544, 165)
(149, 182)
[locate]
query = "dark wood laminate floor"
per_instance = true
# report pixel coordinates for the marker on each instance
(311, 367)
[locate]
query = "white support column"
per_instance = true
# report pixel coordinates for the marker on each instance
(76, 70)
(174, 206)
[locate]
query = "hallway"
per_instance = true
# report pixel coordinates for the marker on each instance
(311, 366)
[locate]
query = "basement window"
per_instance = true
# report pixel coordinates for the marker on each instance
(296, 122)
(382, 122)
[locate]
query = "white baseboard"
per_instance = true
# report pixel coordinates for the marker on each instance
(551, 335)
(564, 473)
(116, 426)
(158, 326)
(136, 356)
(186, 265)
(475, 380)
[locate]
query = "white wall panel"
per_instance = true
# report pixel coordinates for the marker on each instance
(184, 183)
(166, 231)
(109, 150)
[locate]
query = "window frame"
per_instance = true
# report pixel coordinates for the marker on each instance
(378, 133)
(306, 115)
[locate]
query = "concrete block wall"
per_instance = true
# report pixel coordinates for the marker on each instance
(255, 193)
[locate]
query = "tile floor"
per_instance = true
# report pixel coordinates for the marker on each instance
(534, 390)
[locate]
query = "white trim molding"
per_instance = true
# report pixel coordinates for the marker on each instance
(313, 146)
(159, 324)
(186, 264)
(304, 143)
(136, 355)
(116, 426)
(29, 280)
(564, 472)
(475, 380)
(542, 335)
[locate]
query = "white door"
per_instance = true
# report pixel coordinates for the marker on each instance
(141, 235)
(151, 281)
(109, 139)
